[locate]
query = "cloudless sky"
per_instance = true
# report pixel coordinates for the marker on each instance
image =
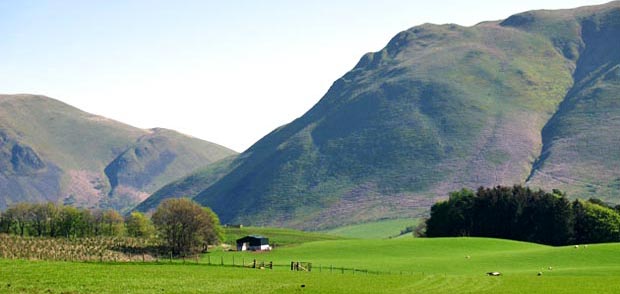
(225, 71)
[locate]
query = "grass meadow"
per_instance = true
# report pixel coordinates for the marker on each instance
(442, 265)
(382, 229)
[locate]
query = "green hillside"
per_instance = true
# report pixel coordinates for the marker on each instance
(277, 236)
(50, 151)
(381, 229)
(580, 153)
(406, 266)
(440, 108)
(190, 185)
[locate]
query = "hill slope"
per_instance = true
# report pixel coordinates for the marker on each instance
(50, 151)
(439, 108)
(190, 185)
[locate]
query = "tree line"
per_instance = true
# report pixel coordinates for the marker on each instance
(183, 226)
(520, 213)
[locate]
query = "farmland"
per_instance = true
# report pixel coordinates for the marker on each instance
(381, 229)
(406, 265)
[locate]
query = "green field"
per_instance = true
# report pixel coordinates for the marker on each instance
(407, 266)
(382, 229)
(277, 236)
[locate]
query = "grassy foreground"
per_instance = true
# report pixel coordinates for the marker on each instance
(428, 266)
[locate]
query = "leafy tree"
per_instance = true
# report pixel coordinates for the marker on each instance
(516, 212)
(113, 223)
(452, 217)
(43, 216)
(216, 234)
(185, 226)
(68, 220)
(595, 223)
(138, 225)
(19, 216)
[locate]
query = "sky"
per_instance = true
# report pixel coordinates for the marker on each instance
(228, 72)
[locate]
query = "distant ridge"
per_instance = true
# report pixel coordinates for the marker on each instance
(50, 151)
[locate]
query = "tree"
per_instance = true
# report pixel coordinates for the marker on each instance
(43, 215)
(138, 225)
(185, 226)
(5, 223)
(595, 223)
(113, 223)
(217, 233)
(452, 217)
(20, 216)
(68, 221)
(516, 213)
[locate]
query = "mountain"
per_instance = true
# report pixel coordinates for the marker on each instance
(531, 99)
(190, 185)
(50, 151)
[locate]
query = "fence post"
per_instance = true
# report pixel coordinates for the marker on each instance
(221, 260)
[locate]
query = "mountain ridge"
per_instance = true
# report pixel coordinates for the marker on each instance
(63, 154)
(441, 107)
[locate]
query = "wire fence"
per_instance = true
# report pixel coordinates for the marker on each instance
(115, 250)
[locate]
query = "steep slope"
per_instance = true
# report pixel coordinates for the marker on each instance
(580, 153)
(50, 151)
(190, 185)
(438, 109)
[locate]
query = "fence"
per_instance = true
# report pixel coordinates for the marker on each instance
(118, 250)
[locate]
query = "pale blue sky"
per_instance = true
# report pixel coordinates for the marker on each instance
(224, 71)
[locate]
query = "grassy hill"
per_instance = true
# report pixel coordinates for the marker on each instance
(381, 229)
(529, 99)
(277, 236)
(50, 151)
(408, 266)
